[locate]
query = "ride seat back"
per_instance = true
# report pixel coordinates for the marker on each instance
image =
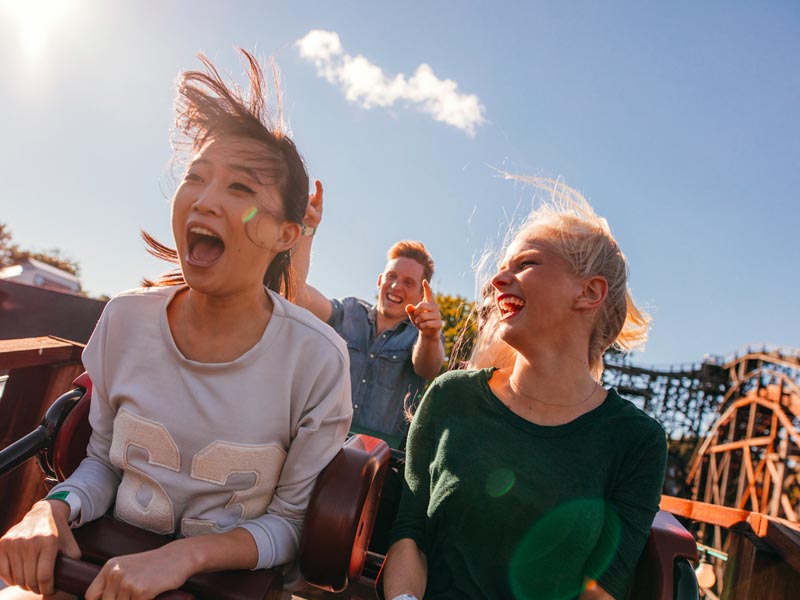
(668, 545)
(341, 515)
(72, 437)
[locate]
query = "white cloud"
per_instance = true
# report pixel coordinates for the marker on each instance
(365, 84)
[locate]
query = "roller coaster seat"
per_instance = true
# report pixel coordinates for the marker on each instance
(333, 544)
(664, 571)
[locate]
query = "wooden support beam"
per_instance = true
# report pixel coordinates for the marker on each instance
(787, 508)
(782, 536)
(770, 473)
(777, 492)
(726, 469)
(704, 512)
(32, 352)
(742, 480)
(756, 441)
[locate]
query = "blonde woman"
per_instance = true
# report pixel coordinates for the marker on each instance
(525, 478)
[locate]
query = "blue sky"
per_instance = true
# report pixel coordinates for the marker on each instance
(679, 121)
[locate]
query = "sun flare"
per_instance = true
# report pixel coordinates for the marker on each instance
(35, 21)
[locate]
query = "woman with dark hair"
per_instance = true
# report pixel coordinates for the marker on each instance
(216, 402)
(525, 478)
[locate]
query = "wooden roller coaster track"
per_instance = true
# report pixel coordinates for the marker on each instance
(687, 399)
(740, 415)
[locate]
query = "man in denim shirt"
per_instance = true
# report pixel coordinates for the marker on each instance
(395, 345)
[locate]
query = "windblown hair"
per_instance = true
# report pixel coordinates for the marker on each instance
(585, 241)
(415, 251)
(209, 108)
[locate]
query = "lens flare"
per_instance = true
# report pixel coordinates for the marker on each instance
(572, 544)
(248, 216)
(500, 482)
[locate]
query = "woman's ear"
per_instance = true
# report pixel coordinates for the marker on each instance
(593, 293)
(289, 234)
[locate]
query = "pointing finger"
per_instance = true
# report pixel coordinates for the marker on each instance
(315, 199)
(427, 292)
(318, 190)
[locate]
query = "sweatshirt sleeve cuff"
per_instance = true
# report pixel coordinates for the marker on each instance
(71, 499)
(277, 540)
(84, 510)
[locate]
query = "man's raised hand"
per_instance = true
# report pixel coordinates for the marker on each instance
(426, 315)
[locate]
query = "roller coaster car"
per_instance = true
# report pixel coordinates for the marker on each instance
(337, 530)
(333, 544)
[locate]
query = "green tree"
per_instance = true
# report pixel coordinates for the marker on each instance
(11, 254)
(458, 326)
(5, 247)
(52, 257)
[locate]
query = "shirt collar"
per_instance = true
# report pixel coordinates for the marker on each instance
(372, 316)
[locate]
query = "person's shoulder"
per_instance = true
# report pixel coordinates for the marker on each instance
(307, 324)
(455, 392)
(636, 419)
(459, 377)
(145, 292)
(353, 303)
(459, 382)
(139, 297)
(638, 439)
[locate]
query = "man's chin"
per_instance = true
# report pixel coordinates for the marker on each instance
(392, 311)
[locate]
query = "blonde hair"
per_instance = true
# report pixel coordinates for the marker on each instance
(585, 241)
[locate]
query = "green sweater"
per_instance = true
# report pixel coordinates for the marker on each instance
(504, 508)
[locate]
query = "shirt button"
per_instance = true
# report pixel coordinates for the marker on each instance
(394, 356)
(372, 355)
(363, 381)
(355, 405)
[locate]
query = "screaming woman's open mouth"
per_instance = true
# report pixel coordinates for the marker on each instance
(205, 246)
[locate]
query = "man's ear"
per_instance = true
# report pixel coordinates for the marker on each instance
(593, 293)
(380, 280)
(290, 233)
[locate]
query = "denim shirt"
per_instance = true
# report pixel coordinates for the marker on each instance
(382, 376)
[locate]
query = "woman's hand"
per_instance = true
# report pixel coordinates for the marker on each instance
(28, 550)
(145, 575)
(140, 576)
(595, 593)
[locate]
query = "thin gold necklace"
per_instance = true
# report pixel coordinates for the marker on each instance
(519, 391)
